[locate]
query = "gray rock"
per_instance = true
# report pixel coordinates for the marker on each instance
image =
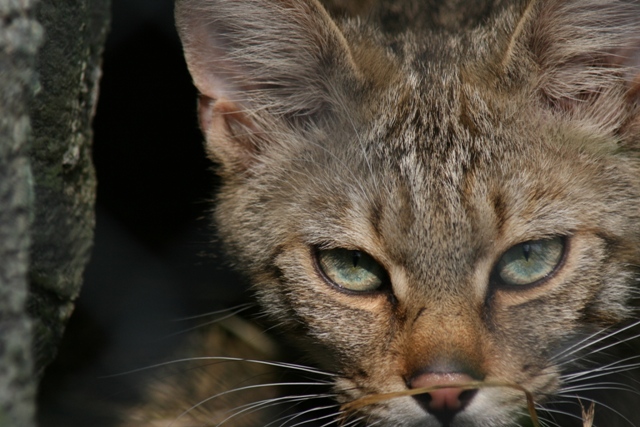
(50, 58)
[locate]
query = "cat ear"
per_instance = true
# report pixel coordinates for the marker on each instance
(259, 62)
(586, 55)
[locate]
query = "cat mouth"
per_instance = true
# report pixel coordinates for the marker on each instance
(423, 396)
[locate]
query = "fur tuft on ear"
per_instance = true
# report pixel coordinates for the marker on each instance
(255, 61)
(587, 54)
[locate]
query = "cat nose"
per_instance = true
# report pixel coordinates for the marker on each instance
(444, 403)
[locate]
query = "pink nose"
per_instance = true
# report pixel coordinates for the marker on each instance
(448, 400)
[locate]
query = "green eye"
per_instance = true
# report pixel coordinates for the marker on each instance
(351, 270)
(528, 262)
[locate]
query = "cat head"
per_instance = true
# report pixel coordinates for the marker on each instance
(430, 208)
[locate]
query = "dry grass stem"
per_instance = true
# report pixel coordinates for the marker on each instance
(588, 415)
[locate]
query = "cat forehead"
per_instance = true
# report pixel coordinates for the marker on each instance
(441, 131)
(450, 165)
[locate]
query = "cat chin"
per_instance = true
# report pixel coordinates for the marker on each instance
(406, 413)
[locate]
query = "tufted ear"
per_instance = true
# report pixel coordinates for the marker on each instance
(587, 58)
(260, 64)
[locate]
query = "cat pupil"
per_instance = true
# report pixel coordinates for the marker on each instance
(526, 251)
(356, 258)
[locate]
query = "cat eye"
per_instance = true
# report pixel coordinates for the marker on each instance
(351, 269)
(530, 262)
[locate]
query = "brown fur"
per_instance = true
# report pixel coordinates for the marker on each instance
(434, 141)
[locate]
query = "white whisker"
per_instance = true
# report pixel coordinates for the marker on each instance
(552, 411)
(225, 359)
(606, 347)
(547, 422)
(303, 413)
(211, 322)
(609, 369)
(234, 310)
(598, 386)
(323, 417)
(255, 406)
(578, 346)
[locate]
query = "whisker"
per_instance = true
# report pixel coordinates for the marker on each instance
(594, 376)
(580, 345)
(609, 369)
(551, 423)
(561, 412)
(211, 322)
(235, 310)
(303, 413)
(224, 359)
(256, 406)
(323, 417)
(352, 422)
(600, 386)
(606, 336)
(545, 422)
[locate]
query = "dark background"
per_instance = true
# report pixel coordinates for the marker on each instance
(155, 259)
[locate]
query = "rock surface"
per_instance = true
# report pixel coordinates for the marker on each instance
(49, 71)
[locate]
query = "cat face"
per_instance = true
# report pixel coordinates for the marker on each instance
(433, 210)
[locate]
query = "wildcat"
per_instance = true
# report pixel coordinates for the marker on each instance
(435, 197)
